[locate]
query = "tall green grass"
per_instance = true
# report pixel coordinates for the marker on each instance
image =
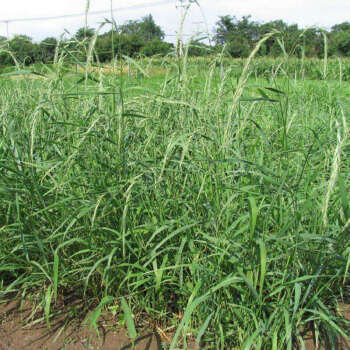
(186, 192)
(269, 67)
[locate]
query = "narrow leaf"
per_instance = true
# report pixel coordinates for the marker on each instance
(129, 320)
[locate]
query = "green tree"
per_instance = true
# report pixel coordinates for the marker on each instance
(271, 47)
(237, 35)
(106, 47)
(312, 42)
(340, 43)
(3, 55)
(113, 44)
(134, 37)
(80, 42)
(225, 29)
(339, 38)
(156, 47)
(23, 49)
(196, 48)
(146, 29)
(46, 50)
(342, 27)
(84, 33)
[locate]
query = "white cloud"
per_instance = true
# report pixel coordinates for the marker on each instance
(304, 12)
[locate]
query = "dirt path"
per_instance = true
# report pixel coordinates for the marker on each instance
(67, 332)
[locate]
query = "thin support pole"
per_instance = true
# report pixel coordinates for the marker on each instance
(7, 30)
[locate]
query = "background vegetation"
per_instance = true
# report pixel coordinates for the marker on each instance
(235, 36)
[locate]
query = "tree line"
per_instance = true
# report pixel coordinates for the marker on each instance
(233, 36)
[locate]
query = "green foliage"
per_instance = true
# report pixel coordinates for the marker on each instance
(84, 33)
(173, 192)
(46, 50)
(156, 47)
(23, 48)
(237, 36)
(340, 39)
(196, 48)
(145, 29)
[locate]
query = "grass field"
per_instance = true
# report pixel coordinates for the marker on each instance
(210, 197)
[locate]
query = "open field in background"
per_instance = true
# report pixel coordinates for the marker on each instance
(265, 67)
(210, 202)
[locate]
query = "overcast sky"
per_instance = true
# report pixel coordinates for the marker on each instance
(306, 13)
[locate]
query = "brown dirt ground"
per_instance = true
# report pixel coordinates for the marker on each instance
(20, 331)
(342, 344)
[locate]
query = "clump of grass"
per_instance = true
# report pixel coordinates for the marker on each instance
(227, 205)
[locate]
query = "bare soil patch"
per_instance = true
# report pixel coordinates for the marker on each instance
(341, 343)
(23, 329)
